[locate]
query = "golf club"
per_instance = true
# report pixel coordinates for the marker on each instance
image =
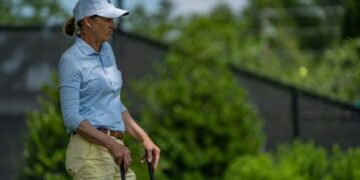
(122, 171)
(150, 167)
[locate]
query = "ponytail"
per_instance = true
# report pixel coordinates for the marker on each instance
(70, 28)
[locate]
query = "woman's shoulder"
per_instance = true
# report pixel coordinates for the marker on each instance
(69, 58)
(70, 52)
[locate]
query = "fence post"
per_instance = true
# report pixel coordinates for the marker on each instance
(295, 112)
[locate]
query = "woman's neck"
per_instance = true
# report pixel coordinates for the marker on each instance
(92, 42)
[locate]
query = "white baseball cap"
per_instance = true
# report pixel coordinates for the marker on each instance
(102, 8)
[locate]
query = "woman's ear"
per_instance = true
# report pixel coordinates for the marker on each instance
(87, 22)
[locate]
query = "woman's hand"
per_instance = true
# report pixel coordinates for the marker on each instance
(153, 153)
(121, 154)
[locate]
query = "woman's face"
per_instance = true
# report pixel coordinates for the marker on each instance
(102, 27)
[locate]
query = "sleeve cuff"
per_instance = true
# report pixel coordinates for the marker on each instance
(122, 107)
(73, 123)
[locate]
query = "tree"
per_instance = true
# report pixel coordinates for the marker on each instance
(24, 12)
(351, 27)
(313, 24)
(194, 108)
(199, 116)
(339, 71)
(159, 25)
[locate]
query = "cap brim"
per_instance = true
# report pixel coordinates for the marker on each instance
(113, 12)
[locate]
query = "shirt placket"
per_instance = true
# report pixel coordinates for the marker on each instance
(102, 58)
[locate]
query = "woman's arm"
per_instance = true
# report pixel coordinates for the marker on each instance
(138, 133)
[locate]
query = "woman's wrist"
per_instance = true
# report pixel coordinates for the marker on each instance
(109, 142)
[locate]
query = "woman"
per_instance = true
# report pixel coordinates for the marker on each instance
(90, 86)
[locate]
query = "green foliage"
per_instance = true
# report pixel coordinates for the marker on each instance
(215, 37)
(260, 166)
(193, 107)
(345, 165)
(310, 23)
(245, 167)
(307, 161)
(226, 37)
(260, 40)
(334, 73)
(46, 140)
(159, 25)
(351, 27)
(198, 114)
(299, 160)
(24, 12)
(340, 70)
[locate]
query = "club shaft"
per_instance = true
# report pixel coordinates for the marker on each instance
(122, 171)
(151, 170)
(150, 167)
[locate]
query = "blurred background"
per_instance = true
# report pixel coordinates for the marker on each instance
(228, 89)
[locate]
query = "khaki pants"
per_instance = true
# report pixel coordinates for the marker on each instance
(86, 160)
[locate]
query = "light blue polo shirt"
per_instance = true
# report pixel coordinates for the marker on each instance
(90, 85)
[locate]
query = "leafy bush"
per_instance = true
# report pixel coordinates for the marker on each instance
(340, 70)
(297, 161)
(46, 140)
(198, 114)
(306, 160)
(260, 166)
(345, 165)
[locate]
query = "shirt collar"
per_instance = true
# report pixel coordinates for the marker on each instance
(85, 47)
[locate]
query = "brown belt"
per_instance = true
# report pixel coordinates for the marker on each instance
(116, 134)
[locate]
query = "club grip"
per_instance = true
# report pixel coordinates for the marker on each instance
(150, 167)
(122, 171)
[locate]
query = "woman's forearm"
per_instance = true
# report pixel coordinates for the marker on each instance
(133, 128)
(152, 151)
(90, 133)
